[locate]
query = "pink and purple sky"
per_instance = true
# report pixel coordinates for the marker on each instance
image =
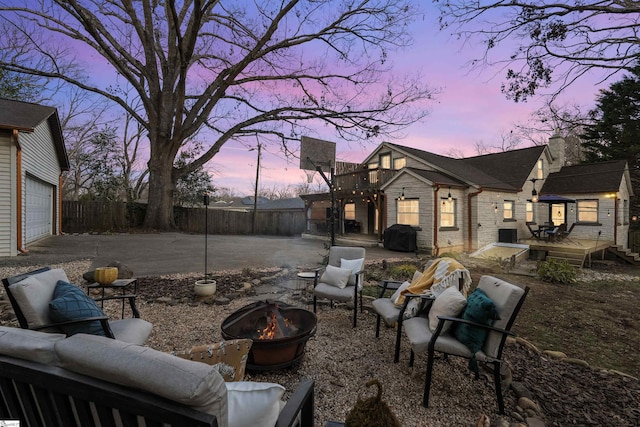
(469, 109)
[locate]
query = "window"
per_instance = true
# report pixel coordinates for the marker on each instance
(529, 212)
(587, 211)
(350, 211)
(373, 173)
(399, 163)
(507, 209)
(385, 161)
(540, 169)
(448, 213)
(408, 211)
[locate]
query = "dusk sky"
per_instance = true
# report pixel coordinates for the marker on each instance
(469, 108)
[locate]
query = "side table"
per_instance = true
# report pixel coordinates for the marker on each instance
(304, 277)
(117, 284)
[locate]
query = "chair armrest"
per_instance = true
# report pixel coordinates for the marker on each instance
(442, 319)
(384, 283)
(300, 403)
(104, 322)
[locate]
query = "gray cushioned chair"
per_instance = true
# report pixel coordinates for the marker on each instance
(508, 299)
(350, 292)
(30, 294)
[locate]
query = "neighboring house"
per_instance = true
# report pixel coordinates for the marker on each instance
(263, 204)
(466, 204)
(32, 159)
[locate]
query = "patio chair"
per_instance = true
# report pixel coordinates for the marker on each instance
(534, 233)
(565, 234)
(394, 314)
(506, 298)
(44, 300)
(555, 232)
(341, 279)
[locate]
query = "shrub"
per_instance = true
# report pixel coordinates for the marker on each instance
(402, 271)
(556, 272)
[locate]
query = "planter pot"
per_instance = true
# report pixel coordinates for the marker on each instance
(106, 275)
(205, 287)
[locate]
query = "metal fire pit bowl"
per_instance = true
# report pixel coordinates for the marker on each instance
(275, 353)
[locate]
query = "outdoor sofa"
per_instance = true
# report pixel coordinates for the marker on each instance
(48, 379)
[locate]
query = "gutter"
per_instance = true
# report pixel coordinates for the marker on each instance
(436, 248)
(470, 216)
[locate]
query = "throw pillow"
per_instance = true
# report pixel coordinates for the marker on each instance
(480, 309)
(397, 293)
(449, 303)
(354, 265)
(253, 403)
(230, 357)
(336, 276)
(70, 303)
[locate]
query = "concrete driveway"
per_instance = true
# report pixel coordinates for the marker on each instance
(171, 253)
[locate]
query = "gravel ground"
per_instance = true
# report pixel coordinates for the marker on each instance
(341, 360)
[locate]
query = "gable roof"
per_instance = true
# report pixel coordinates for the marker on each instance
(601, 177)
(26, 116)
(507, 170)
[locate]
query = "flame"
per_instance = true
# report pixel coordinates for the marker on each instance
(269, 332)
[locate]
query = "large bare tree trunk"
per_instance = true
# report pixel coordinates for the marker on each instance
(159, 214)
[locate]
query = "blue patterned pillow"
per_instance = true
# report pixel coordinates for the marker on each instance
(479, 309)
(70, 303)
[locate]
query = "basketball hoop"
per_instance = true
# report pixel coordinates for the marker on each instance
(310, 175)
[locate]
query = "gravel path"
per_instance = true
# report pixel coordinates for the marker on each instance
(342, 359)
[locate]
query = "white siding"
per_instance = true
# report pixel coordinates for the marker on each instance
(8, 234)
(39, 160)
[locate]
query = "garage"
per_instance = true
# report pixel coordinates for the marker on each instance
(38, 209)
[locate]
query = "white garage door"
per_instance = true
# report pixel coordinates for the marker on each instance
(38, 209)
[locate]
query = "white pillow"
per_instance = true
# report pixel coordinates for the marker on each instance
(34, 293)
(396, 294)
(253, 404)
(449, 303)
(354, 265)
(336, 276)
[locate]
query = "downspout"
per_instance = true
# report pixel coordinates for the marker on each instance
(18, 193)
(470, 216)
(436, 206)
(59, 221)
(615, 219)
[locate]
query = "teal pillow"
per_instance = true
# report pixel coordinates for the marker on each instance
(70, 303)
(479, 309)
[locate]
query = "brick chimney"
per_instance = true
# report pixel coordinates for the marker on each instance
(557, 148)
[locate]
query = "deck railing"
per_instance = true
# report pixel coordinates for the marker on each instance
(369, 179)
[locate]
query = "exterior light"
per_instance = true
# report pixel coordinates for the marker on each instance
(534, 193)
(449, 195)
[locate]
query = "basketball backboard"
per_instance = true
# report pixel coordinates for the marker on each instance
(317, 152)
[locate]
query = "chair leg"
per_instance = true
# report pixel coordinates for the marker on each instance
(355, 312)
(396, 355)
(427, 381)
(498, 386)
(377, 326)
(412, 357)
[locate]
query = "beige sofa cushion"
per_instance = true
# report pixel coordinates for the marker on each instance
(34, 293)
(194, 384)
(29, 345)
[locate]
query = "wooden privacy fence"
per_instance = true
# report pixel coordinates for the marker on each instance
(92, 216)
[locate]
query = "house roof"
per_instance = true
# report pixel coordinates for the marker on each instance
(507, 170)
(601, 177)
(25, 116)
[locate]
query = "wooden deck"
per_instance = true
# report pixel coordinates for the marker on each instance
(578, 252)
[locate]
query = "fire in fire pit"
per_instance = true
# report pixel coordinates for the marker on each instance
(279, 332)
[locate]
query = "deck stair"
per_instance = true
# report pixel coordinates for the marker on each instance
(632, 258)
(575, 257)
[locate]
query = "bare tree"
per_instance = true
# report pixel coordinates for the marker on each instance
(235, 69)
(556, 42)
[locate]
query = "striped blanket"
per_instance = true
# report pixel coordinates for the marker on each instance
(441, 274)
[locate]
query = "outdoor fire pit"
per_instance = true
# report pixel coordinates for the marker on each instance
(279, 332)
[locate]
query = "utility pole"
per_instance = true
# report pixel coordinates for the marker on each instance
(255, 193)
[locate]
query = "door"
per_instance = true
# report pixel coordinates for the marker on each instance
(558, 213)
(38, 209)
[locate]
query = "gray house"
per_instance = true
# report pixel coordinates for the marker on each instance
(32, 159)
(466, 204)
